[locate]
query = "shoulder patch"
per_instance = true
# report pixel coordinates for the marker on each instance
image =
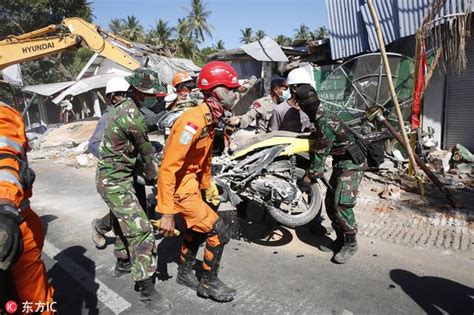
(257, 105)
(190, 127)
(208, 117)
(185, 137)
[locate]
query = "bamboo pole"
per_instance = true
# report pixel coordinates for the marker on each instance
(392, 89)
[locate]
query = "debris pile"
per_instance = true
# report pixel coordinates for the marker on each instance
(392, 184)
(65, 144)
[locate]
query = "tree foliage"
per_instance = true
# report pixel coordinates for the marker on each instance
(21, 16)
(247, 35)
(132, 29)
(197, 20)
(179, 39)
(260, 34)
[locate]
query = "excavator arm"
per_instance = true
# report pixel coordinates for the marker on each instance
(70, 33)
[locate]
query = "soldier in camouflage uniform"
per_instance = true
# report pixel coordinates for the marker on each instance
(261, 109)
(124, 144)
(334, 138)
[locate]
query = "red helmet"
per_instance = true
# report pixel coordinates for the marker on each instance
(217, 73)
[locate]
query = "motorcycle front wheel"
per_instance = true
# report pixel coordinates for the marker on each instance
(307, 210)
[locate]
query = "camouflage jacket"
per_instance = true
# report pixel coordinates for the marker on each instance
(332, 137)
(260, 111)
(125, 147)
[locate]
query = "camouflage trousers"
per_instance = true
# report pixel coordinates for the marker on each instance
(341, 199)
(138, 240)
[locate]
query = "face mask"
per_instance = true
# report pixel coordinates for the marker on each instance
(285, 95)
(229, 101)
(148, 101)
(311, 111)
(227, 98)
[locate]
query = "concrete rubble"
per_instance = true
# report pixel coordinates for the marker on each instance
(65, 144)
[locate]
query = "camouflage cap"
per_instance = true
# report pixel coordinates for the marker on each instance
(146, 81)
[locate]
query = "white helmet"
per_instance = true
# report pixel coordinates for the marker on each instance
(117, 84)
(299, 76)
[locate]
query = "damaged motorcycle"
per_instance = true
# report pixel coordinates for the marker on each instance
(268, 169)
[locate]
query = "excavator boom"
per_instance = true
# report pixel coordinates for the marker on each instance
(34, 45)
(21, 51)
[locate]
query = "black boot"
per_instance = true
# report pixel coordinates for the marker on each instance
(149, 297)
(335, 245)
(210, 285)
(348, 249)
(189, 249)
(186, 275)
(122, 267)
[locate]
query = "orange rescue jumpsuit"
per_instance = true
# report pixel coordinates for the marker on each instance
(186, 170)
(29, 272)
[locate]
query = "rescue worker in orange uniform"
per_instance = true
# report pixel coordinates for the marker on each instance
(185, 95)
(186, 171)
(21, 230)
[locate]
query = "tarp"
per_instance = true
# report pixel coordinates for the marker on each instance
(48, 89)
(85, 85)
(265, 49)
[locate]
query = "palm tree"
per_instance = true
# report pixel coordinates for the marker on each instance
(283, 40)
(185, 46)
(302, 32)
(132, 29)
(197, 20)
(321, 32)
(247, 36)
(162, 34)
(260, 34)
(220, 45)
(116, 26)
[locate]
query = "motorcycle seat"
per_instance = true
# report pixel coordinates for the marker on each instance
(244, 142)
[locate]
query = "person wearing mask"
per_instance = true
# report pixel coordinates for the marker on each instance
(23, 275)
(288, 116)
(334, 138)
(261, 109)
(125, 151)
(116, 91)
(185, 93)
(186, 171)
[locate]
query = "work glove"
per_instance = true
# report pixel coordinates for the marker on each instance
(212, 195)
(11, 240)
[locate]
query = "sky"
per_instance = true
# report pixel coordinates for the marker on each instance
(227, 18)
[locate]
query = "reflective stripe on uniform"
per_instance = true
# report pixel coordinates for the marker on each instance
(9, 177)
(6, 142)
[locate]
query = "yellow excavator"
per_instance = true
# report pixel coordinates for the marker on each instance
(53, 39)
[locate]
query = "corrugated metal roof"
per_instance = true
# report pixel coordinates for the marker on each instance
(265, 49)
(352, 32)
(345, 24)
(47, 89)
(85, 85)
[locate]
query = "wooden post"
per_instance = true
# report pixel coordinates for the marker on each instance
(392, 88)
